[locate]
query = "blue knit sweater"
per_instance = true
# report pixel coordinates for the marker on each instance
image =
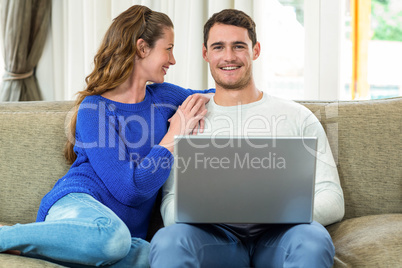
(119, 161)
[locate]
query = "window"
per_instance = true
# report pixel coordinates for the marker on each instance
(373, 49)
(308, 49)
(282, 36)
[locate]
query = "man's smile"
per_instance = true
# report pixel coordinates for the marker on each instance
(229, 67)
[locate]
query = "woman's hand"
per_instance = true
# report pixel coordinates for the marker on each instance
(188, 119)
(196, 101)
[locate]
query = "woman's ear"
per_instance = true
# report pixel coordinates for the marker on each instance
(142, 48)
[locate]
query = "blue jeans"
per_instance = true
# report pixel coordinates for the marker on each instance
(185, 245)
(78, 231)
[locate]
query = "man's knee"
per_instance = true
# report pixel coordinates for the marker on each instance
(170, 237)
(314, 237)
(313, 244)
(173, 243)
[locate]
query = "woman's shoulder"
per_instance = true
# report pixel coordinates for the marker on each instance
(95, 105)
(168, 93)
(164, 88)
(91, 99)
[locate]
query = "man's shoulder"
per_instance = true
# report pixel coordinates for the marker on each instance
(289, 105)
(268, 105)
(284, 102)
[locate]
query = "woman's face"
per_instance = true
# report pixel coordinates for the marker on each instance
(159, 58)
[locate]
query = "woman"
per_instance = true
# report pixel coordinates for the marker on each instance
(121, 151)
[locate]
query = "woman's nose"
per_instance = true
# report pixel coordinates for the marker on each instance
(172, 60)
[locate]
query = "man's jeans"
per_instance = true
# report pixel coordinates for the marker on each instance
(185, 245)
(78, 231)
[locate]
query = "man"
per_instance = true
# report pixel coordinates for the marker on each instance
(240, 108)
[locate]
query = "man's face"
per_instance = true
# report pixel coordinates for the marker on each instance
(230, 54)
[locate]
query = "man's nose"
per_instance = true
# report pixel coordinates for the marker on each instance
(229, 55)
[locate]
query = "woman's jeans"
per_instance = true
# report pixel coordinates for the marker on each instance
(78, 231)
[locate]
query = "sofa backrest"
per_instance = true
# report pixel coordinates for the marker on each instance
(366, 141)
(31, 156)
(365, 138)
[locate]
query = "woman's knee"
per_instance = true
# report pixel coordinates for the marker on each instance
(113, 245)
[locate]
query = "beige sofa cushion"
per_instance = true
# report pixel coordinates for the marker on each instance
(366, 140)
(370, 241)
(31, 156)
(11, 261)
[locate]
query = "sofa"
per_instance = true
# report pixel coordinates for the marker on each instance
(365, 137)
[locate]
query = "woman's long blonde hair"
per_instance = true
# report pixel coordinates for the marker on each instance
(114, 61)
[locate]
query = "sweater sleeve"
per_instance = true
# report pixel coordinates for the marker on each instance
(328, 199)
(101, 144)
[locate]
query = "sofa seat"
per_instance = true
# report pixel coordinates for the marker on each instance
(8, 261)
(366, 241)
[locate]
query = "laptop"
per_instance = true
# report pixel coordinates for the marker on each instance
(244, 180)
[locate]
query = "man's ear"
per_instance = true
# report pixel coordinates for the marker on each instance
(256, 50)
(142, 48)
(204, 53)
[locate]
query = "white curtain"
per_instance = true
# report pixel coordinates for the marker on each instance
(78, 27)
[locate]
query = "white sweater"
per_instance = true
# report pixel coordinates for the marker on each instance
(274, 117)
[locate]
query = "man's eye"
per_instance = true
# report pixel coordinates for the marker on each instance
(217, 47)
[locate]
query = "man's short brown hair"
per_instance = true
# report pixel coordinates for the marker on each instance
(231, 17)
